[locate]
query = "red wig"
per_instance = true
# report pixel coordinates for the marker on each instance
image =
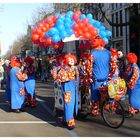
(114, 52)
(132, 58)
(67, 56)
(97, 42)
(15, 61)
(29, 60)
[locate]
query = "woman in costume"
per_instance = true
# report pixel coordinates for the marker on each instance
(68, 76)
(133, 83)
(30, 82)
(17, 85)
(100, 71)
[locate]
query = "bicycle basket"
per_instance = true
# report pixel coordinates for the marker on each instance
(117, 88)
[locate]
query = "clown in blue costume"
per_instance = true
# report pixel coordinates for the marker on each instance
(68, 76)
(133, 83)
(30, 82)
(17, 85)
(100, 71)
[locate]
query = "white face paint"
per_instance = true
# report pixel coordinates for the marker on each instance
(71, 61)
(120, 54)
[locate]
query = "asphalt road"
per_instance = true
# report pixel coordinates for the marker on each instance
(42, 122)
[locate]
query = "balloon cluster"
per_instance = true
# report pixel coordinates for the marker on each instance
(53, 29)
(39, 33)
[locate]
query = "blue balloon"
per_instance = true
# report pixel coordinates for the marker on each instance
(63, 34)
(102, 28)
(53, 31)
(69, 14)
(69, 32)
(59, 22)
(97, 24)
(82, 16)
(108, 33)
(92, 21)
(56, 38)
(106, 40)
(102, 34)
(67, 20)
(67, 25)
(47, 34)
(61, 28)
(89, 16)
(61, 17)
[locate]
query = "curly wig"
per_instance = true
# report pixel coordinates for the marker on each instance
(66, 58)
(132, 58)
(29, 60)
(97, 42)
(15, 61)
(114, 52)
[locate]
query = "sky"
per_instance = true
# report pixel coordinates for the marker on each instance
(13, 21)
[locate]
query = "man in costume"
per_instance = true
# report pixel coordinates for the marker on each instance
(100, 71)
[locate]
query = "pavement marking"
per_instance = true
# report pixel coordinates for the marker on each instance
(28, 122)
(71, 132)
(2, 90)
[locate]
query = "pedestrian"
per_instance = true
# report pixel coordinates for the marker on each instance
(30, 82)
(133, 83)
(100, 71)
(17, 85)
(8, 90)
(68, 76)
(1, 72)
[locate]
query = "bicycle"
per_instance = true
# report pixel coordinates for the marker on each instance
(111, 110)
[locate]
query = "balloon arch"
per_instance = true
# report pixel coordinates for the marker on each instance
(52, 30)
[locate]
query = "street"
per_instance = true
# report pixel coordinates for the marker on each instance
(42, 122)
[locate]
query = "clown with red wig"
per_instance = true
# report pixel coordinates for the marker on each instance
(100, 71)
(133, 83)
(30, 82)
(68, 76)
(17, 85)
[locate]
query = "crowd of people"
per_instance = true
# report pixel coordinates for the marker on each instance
(96, 67)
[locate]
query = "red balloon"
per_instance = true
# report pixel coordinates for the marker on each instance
(48, 41)
(87, 35)
(94, 32)
(85, 20)
(55, 19)
(39, 25)
(35, 37)
(56, 46)
(39, 31)
(49, 20)
(77, 35)
(80, 32)
(76, 16)
(47, 26)
(75, 27)
(85, 29)
(81, 25)
(34, 31)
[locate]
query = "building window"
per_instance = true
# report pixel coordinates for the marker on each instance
(113, 26)
(121, 28)
(117, 29)
(112, 6)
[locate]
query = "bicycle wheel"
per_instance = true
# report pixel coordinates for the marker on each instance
(112, 113)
